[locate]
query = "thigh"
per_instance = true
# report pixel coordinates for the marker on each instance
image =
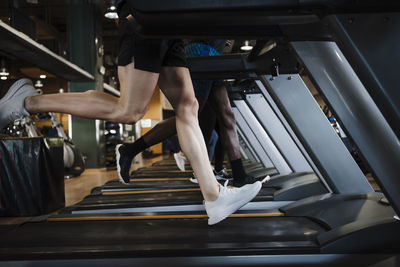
(136, 87)
(202, 88)
(219, 98)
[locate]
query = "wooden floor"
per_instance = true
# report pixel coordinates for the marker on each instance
(79, 187)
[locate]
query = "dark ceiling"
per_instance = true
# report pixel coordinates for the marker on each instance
(50, 20)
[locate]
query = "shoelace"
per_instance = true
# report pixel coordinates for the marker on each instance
(229, 187)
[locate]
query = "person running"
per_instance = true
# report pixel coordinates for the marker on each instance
(143, 64)
(216, 93)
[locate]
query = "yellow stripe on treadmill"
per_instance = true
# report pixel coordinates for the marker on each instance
(158, 179)
(151, 191)
(161, 217)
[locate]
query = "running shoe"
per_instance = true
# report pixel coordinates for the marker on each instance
(180, 161)
(229, 200)
(12, 105)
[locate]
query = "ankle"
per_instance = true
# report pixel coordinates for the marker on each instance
(29, 103)
(212, 194)
(133, 149)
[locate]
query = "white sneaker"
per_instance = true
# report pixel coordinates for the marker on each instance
(180, 161)
(229, 200)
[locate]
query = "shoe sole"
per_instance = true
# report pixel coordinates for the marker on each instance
(118, 156)
(233, 208)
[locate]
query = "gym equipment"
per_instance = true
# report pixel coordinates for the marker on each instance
(74, 163)
(358, 228)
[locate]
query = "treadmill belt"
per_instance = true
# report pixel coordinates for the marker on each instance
(150, 200)
(117, 186)
(162, 175)
(151, 191)
(155, 238)
(160, 215)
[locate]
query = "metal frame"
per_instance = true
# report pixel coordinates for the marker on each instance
(340, 171)
(370, 43)
(279, 135)
(245, 147)
(21, 46)
(288, 128)
(252, 140)
(388, 260)
(263, 138)
(356, 110)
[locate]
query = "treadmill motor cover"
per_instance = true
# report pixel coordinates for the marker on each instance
(31, 176)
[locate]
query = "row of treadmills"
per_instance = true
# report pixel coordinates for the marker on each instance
(318, 209)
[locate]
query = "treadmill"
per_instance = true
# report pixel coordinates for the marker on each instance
(334, 229)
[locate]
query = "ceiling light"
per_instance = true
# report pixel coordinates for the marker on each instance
(38, 84)
(43, 76)
(111, 12)
(246, 46)
(3, 77)
(4, 72)
(111, 15)
(3, 69)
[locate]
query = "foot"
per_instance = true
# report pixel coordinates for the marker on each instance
(229, 200)
(180, 161)
(124, 162)
(248, 179)
(12, 105)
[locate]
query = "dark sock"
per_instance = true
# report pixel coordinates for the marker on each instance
(218, 156)
(135, 148)
(238, 172)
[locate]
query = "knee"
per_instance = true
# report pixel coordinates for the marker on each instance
(132, 118)
(129, 116)
(188, 106)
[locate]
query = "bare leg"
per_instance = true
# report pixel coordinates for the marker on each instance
(177, 86)
(226, 121)
(164, 129)
(137, 88)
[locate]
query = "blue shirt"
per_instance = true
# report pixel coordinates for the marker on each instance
(205, 48)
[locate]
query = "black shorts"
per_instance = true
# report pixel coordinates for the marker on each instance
(147, 54)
